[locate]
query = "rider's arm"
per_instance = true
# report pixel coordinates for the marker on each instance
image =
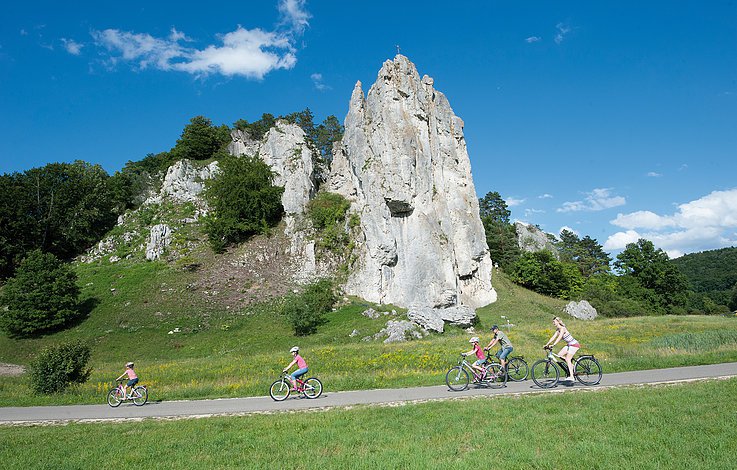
(290, 365)
(554, 338)
(468, 353)
(491, 343)
(121, 376)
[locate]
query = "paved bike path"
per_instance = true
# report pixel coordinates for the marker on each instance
(238, 406)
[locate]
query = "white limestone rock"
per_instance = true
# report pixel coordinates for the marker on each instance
(404, 166)
(242, 144)
(184, 182)
(532, 239)
(398, 331)
(159, 239)
(427, 318)
(581, 310)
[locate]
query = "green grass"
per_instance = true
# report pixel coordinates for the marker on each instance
(224, 353)
(674, 426)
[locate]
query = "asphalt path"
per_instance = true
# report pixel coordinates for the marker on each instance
(242, 406)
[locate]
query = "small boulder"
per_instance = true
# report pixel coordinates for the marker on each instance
(581, 310)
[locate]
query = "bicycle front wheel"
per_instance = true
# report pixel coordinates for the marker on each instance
(517, 369)
(457, 379)
(114, 397)
(313, 387)
(280, 389)
(495, 376)
(545, 374)
(140, 395)
(588, 371)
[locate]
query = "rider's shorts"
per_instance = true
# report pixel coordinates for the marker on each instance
(299, 373)
(132, 382)
(480, 362)
(505, 352)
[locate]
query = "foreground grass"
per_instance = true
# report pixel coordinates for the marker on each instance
(220, 353)
(676, 426)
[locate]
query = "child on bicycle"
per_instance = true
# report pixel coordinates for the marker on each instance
(478, 366)
(301, 367)
(562, 333)
(132, 379)
(503, 340)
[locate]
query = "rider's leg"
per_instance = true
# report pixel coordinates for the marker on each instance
(569, 352)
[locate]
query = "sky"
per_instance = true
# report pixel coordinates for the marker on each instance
(616, 120)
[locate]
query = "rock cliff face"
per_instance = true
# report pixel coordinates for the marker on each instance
(403, 163)
(532, 239)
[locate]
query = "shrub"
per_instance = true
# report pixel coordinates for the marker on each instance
(42, 296)
(306, 311)
(327, 211)
(57, 367)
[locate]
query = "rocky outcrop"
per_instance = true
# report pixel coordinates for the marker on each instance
(158, 241)
(404, 166)
(399, 331)
(184, 182)
(434, 319)
(531, 239)
(581, 310)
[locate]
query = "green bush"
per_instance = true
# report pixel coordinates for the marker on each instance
(57, 367)
(327, 211)
(306, 311)
(42, 296)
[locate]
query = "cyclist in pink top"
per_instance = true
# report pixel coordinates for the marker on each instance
(301, 366)
(480, 356)
(132, 378)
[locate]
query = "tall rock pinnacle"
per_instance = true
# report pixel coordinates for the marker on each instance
(404, 166)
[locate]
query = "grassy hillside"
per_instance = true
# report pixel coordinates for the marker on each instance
(190, 341)
(635, 427)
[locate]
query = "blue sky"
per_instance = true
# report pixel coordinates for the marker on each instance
(615, 120)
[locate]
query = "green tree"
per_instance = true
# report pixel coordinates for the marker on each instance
(501, 236)
(200, 140)
(541, 272)
(585, 253)
(327, 134)
(243, 201)
(42, 296)
(492, 205)
(656, 281)
(733, 299)
(306, 311)
(57, 367)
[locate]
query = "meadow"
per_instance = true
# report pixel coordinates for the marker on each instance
(664, 426)
(187, 346)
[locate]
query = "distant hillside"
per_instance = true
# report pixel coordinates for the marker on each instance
(709, 271)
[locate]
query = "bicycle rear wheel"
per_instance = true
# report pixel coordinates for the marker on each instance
(280, 389)
(114, 397)
(588, 371)
(545, 373)
(313, 387)
(457, 379)
(140, 395)
(517, 369)
(495, 377)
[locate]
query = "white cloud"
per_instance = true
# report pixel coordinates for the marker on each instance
(513, 201)
(563, 30)
(72, 46)
(530, 212)
(654, 174)
(250, 53)
(532, 39)
(545, 196)
(707, 223)
(317, 81)
(597, 200)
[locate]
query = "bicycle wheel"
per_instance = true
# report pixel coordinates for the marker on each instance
(517, 369)
(313, 387)
(114, 397)
(140, 395)
(495, 377)
(545, 374)
(280, 389)
(588, 371)
(457, 379)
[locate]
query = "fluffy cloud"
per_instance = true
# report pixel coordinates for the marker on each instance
(72, 46)
(532, 39)
(514, 201)
(563, 30)
(250, 53)
(317, 81)
(597, 200)
(707, 223)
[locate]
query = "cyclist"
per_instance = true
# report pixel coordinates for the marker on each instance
(503, 340)
(132, 379)
(480, 356)
(569, 349)
(301, 367)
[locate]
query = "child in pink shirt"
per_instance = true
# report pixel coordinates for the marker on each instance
(132, 378)
(301, 366)
(478, 366)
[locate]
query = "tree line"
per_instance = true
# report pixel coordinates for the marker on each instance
(641, 280)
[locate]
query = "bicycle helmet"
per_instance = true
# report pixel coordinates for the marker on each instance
(475, 339)
(129, 364)
(294, 349)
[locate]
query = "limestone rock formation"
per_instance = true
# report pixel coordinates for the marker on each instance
(532, 239)
(430, 318)
(581, 310)
(404, 166)
(158, 240)
(184, 182)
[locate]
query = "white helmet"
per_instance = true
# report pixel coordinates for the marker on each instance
(475, 339)
(129, 364)
(294, 349)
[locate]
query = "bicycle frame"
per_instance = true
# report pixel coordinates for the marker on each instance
(561, 361)
(467, 365)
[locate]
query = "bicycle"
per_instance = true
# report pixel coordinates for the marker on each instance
(282, 387)
(546, 372)
(516, 367)
(457, 378)
(116, 396)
